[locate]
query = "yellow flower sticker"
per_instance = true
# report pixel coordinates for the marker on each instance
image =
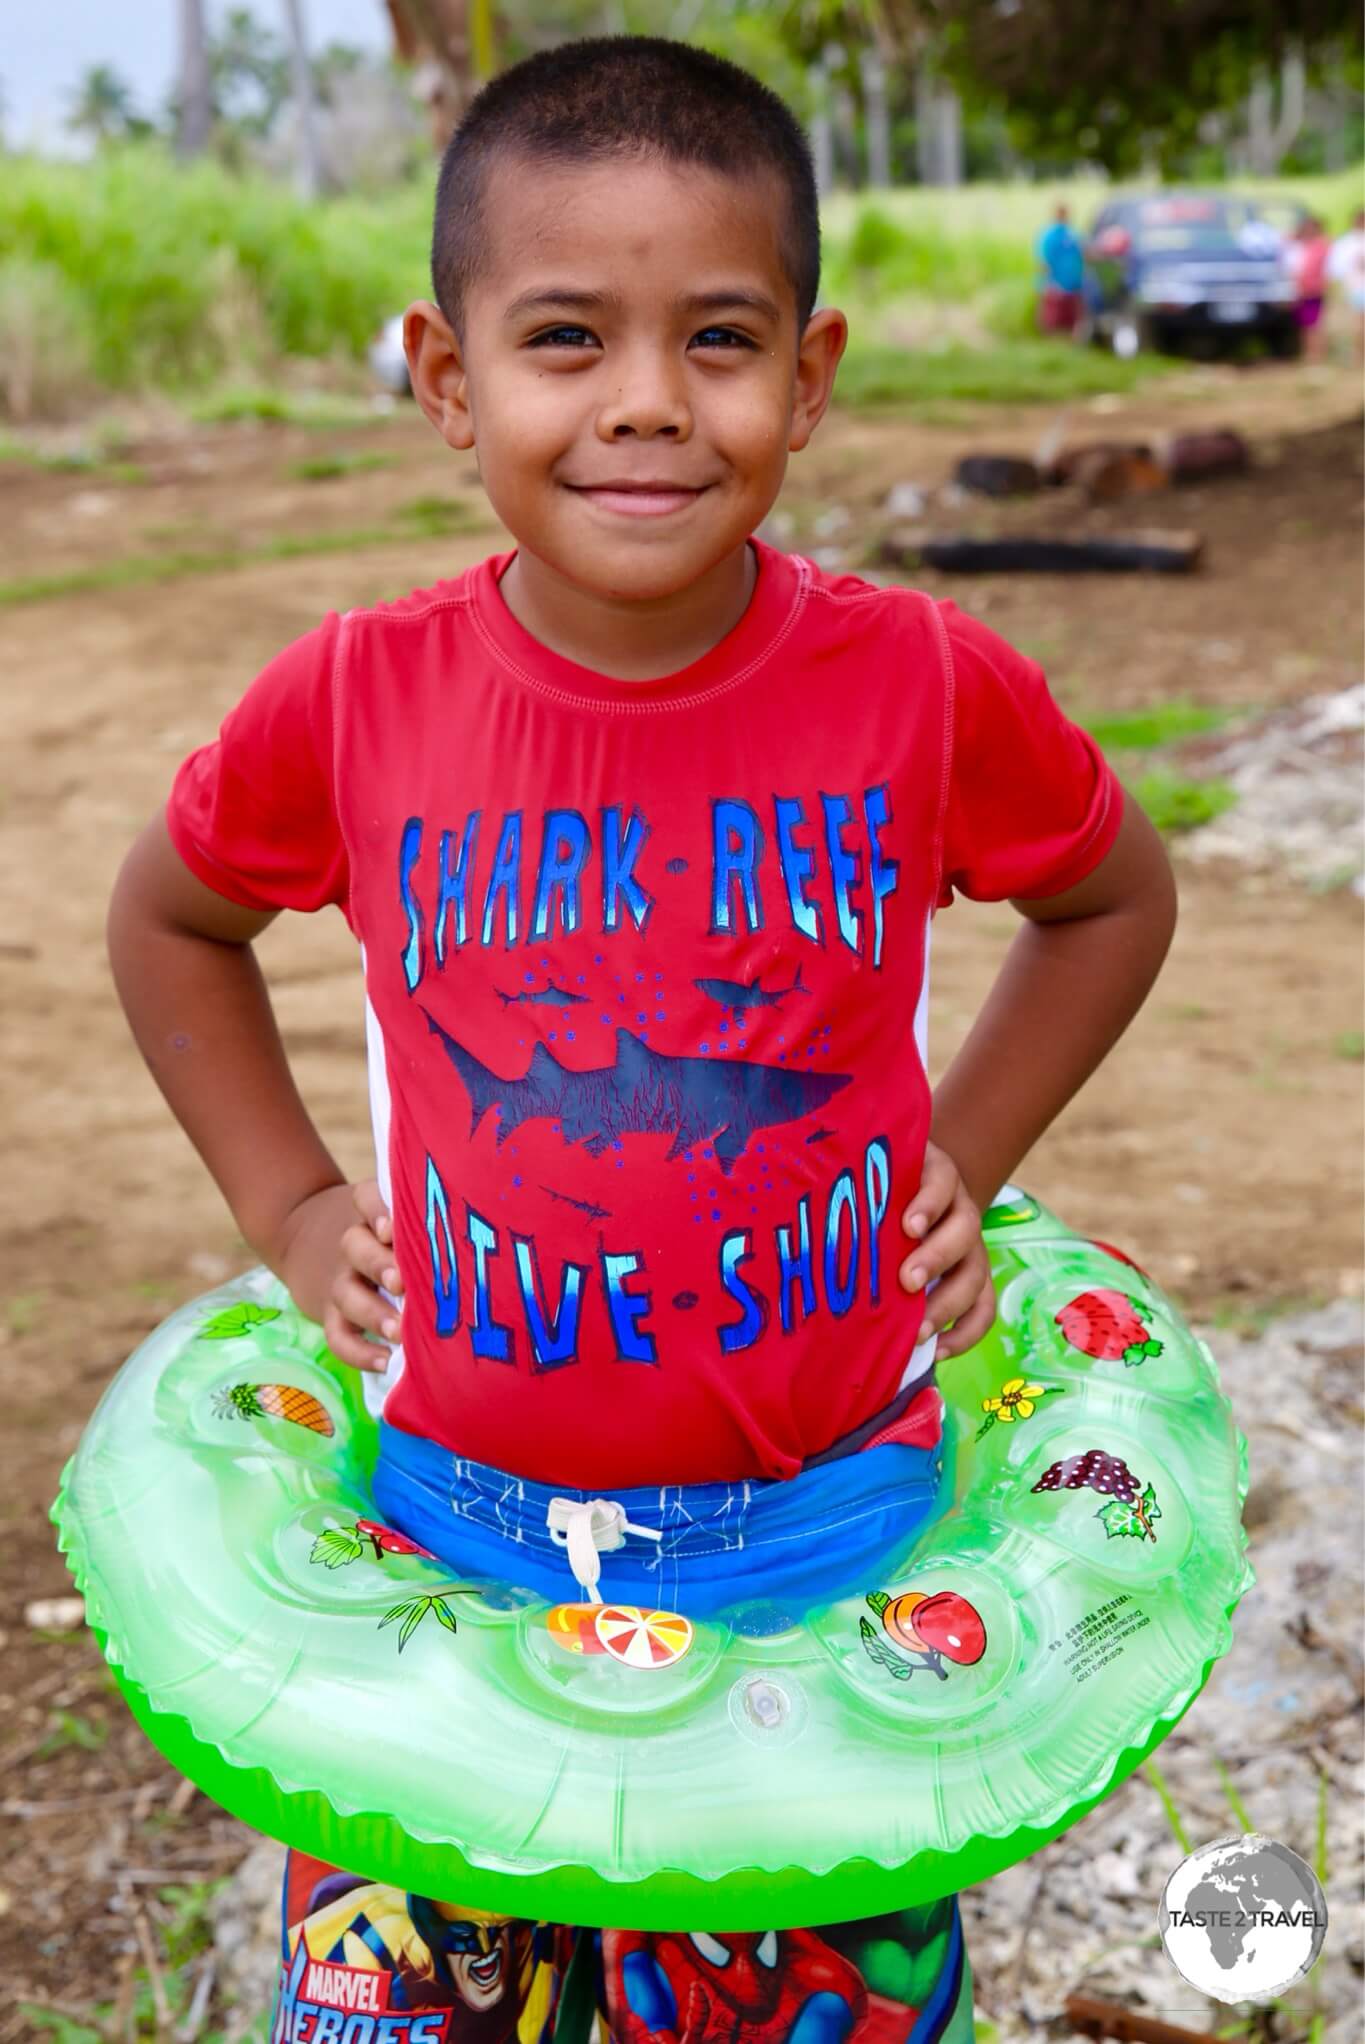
(1017, 1400)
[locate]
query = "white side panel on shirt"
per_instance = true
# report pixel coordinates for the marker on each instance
(377, 1388)
(922, 1355)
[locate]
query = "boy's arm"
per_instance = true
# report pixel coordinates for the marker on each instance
(199, 1009)
(1073, 980)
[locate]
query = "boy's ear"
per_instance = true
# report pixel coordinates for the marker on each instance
(817, 358)
(437, 372)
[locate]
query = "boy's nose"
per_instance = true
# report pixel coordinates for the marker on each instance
(649, 399)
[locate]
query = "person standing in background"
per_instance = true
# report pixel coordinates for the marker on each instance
(1060, 253)
(1306, 258)
(1346, 268)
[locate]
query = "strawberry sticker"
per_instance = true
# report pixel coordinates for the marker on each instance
(341, 1545)
(1108, 1326)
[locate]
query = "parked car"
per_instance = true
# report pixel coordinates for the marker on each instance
(1187, 268)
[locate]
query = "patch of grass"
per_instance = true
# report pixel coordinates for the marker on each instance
(1349, 1045)
(324, 468)
(163, 1990)
(78, 461)
(1173, 1817)
(267, 405)
(1033, 371)
(21, 1311)
(425, 518)
(1248, 1319)
(1162, 724)
(1175, 804)
(71, 1729)
(434, 516)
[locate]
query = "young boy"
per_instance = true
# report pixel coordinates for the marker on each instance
(640, 827)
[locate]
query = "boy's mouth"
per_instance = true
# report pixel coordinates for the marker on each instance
(652, 498)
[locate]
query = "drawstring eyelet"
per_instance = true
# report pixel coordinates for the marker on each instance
(589, 1529)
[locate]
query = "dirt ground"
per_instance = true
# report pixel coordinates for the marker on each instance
(1221, 1145)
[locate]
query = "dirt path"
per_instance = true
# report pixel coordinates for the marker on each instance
(1221, 1146)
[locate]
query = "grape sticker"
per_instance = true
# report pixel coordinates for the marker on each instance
(1106, 1326)
(926, 1631)
(1128, 1514)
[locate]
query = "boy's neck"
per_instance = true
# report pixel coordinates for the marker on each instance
(629, 639)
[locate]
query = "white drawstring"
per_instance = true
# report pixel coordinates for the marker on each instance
(589, 1530)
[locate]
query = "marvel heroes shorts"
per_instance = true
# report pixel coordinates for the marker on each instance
(363, 1963)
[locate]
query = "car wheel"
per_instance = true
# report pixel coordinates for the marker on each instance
(1285, 343)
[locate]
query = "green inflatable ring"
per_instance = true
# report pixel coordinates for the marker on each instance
(474, 1744)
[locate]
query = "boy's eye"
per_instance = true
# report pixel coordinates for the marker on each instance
(722, 336)
(575, 336)
(556, 335)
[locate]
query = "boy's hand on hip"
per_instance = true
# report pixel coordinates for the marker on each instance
(339, 1253)
(945, 1224)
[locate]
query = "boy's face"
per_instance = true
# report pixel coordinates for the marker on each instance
(634, 327)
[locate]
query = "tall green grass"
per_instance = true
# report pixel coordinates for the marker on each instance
(137, 271)
(179, 274)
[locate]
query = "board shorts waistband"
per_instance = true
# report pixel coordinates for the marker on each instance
(700, 1547)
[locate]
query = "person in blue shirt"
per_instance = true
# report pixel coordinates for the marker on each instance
(1063, 265)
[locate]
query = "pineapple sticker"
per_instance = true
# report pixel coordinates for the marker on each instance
(274, 1401)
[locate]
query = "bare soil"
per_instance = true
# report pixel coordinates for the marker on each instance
(1221, 1145)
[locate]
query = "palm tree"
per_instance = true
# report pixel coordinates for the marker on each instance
(308, 168)
(103, 106)
(194, 95)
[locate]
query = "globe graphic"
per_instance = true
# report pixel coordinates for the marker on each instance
(1243, 1918)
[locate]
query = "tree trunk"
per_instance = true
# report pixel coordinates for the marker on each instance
(877, 116)
(938, 129)
(194, 113)
(822, 130)
(1268, 139)
(307, 166)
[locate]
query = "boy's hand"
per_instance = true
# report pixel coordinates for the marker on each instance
(340, 1251)
(945, 1223)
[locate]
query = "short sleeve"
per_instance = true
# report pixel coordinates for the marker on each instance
(253, 814)
(1031, 806)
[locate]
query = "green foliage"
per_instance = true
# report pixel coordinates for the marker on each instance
(424, 519)
(1350, 1044)
(325, 468)
(260, 404)
(45, 350)
(1142, 730)
(1175, 804)
(180, 270)
(1118, 85)
(190, 278)
(1025, 372)
(71, 1729)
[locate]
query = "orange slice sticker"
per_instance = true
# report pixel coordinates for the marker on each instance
(642, 1639)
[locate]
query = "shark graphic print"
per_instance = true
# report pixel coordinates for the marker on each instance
(643, 962)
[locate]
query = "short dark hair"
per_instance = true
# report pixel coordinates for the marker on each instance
(606, 96)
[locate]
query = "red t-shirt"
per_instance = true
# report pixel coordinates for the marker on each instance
(643, 962)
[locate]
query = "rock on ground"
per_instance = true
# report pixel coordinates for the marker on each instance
(1278, 1730)
(1297, 774)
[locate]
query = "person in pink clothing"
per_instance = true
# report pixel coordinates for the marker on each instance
(1307, 256)
(641, 827)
